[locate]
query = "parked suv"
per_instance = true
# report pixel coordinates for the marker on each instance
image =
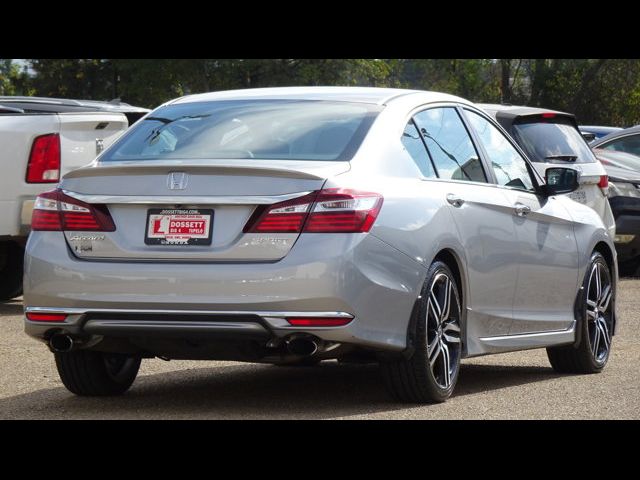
(41, 139)
(551, 139)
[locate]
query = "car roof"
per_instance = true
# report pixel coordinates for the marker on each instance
(371, 95)
(620, 133)
(67, 104)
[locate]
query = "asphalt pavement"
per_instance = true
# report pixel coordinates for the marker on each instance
(518, 385)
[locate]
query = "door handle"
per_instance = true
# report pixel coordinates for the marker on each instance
(454, 200)
(522, 210)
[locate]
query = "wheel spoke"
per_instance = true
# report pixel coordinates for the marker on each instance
(604, 332)
(598, 281)
(446, 359)
(451, 333)
(603, 302)
(431, 308)
(596, 340)
(446, 306)
(433, 351)
(592, 314)
(435, 305)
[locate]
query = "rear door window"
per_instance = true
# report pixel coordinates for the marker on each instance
(551, 140)
(450, 145)
(416, 149)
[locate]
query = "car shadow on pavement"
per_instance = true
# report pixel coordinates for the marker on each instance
(11, 307)
(256, 391)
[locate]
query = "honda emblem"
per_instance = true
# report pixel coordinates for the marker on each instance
(177, 180)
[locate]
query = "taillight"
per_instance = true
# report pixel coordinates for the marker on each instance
(604, 184)
(283, 217)
(46, 317)
(318, 321)
(44, 160)
(548, 115)
(55, 211)
(343, 210)
(332, 210)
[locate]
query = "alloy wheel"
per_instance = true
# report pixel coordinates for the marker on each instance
(599, 316)
(443, 330)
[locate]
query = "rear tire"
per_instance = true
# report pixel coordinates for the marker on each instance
(89, 373)
(594, 348)
(11, 264)
(431, 373)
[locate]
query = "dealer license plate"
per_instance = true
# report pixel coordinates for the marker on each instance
(167, 226)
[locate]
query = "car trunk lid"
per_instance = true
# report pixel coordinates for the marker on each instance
(222, 194)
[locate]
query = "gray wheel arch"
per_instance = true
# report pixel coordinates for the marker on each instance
(605, 250)
(455, 262)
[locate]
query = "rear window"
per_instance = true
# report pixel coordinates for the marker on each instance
(552, 141)
(243, 129)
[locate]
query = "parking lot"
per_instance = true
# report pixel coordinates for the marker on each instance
(518, 385)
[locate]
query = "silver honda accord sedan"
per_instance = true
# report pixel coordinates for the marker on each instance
(293, 225)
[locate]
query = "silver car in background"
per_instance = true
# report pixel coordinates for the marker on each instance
(293, 225)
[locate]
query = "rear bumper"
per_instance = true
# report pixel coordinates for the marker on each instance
(334, 274)
(167, 323)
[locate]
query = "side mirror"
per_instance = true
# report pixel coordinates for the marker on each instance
(560, 180)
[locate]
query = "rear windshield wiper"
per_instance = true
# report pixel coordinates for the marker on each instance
(567, 158)
(155, 133)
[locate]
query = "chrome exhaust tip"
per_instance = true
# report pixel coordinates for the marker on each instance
(61, 343)
(302, 345)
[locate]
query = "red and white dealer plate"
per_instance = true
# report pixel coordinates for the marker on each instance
(167, 226)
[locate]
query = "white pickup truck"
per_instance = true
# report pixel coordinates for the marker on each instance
(41, 139)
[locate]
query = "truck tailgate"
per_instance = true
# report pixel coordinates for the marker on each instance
(79, 133)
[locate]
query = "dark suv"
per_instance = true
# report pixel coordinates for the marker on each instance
(624, 196)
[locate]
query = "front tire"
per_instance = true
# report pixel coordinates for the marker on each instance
(431, 373)
(89, 373)
(594, 347)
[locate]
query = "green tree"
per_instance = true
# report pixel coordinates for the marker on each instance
(604, 91)
(13, 80)
(72, 78)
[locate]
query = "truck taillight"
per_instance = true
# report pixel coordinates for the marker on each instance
(44, 160)
(55, 211)
(332, 210)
